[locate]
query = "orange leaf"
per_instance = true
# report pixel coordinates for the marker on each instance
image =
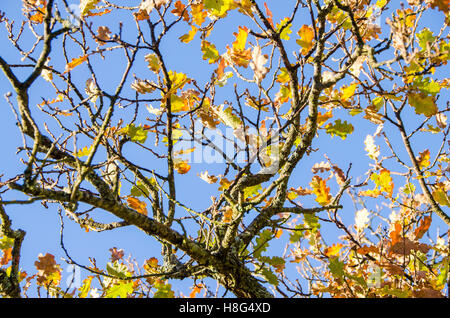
(269, 14)
(364, 250)
(321, 190)
(423, 227)
(7, 256)
(75, 62)
(396, 234)
(137, 205)
(93, 14)
(180, 10)
(141, 15)
(198, 14)
(333, 250)
(197, 288)
(181, 166)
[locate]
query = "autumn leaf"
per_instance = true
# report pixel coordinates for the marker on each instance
(424, 159)
(320, 189)
(321, 167)
(103, 33)
(137, 205)
(188, 37)
(87, 5)
(141, 15)
(39, 16)
(197, 288)
(149, 5)
(348, 92)
(333, 251)
(49, 272)
(422, 228)
(198, 13)
(241, 39)
(306, 34)
(153, 62)
(269, 14)
(210, 52)
(383, 180)
(422, 103)
(285, 27)
(85, 287)
(442, 5)
(75, 62)
(227, 117)
(322, 118)
(116, 254)
(181, 166)
(257, 64)
(180, 10)
(340, 129)
(6, 257)
(205, 176)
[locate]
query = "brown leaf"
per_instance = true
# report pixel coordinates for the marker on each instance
(116, 254)
(48, 270)
(103, 35)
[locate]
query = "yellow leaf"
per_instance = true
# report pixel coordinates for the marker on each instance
(241, 39)
(306, 34)
(348, 91)
(186, 38)
(321, 190)
(424, 159)
(198, 13)
(333, 250)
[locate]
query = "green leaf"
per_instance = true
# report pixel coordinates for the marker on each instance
(270, 276)
(341, 129)
(118, 270)
(84, 289)
(425, 37)
(136, 134)
(427, 85)
(210, 52)
(121, 290)
(295, 236)
(164, 290)
(6, 242)
(252, 191)
(262, 242)
(336, 267)
(311, 222)
(423, 104)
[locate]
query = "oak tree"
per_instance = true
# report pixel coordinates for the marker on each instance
(320, 127)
